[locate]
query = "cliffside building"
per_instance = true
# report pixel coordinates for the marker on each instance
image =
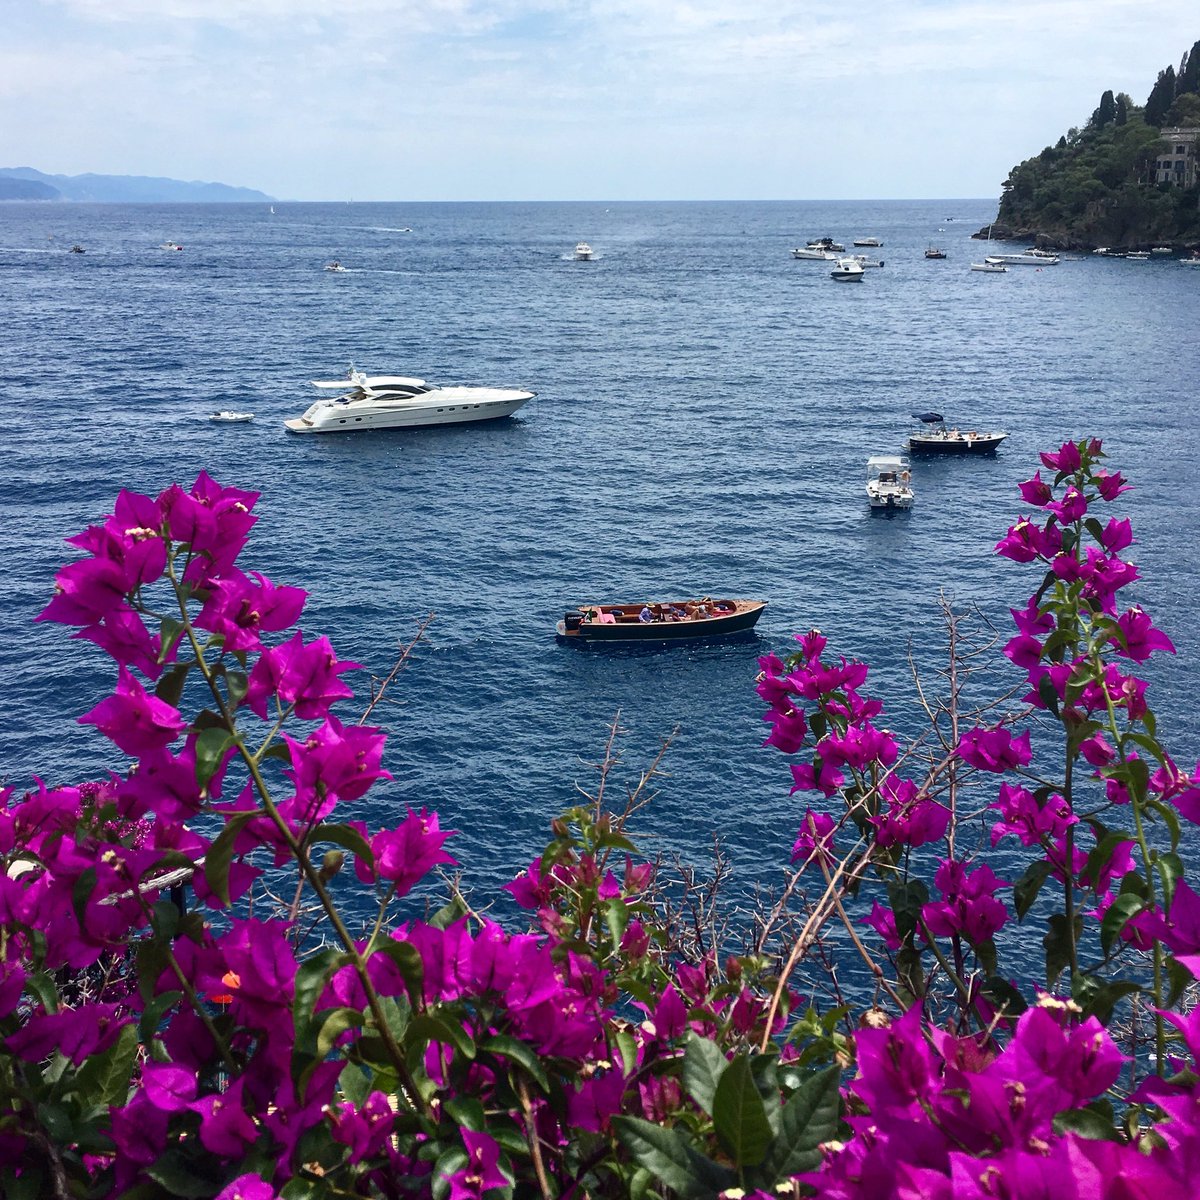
(1177, 158)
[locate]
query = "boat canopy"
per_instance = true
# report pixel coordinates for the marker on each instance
(887, 462)
(930, 418)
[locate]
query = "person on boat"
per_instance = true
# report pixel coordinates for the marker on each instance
(647, 614)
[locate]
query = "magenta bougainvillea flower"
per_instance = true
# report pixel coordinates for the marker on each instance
(995, 749)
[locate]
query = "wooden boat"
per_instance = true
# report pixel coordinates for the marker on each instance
(668, 621)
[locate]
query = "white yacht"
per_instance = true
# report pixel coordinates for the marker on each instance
(397, 402)
(989, 267)
(867, 241)
(1030, 258)
(847, 271)
(889, 482)
(583, 252)
(817, 252)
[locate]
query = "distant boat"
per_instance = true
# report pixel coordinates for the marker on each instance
(1161, 250)
(583, 252)
(992, 268)
(169, 246)
(847, 271)
(864, 261)
(1189, 262)
(819, 253)
(934, 252)
(1028, 258)
(228, 417)
(334, 266)
(272, 210)
(77, 249)
(867, 241)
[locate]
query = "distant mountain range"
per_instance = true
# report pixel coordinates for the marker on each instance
(24, 183)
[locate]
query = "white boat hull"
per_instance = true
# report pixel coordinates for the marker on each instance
(443, 406)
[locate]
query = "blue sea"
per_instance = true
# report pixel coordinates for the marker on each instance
(705, 408)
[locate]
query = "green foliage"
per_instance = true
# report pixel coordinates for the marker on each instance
(753, 1141)
(1096, 185)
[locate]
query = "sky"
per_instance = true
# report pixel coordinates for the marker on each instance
(570, 99)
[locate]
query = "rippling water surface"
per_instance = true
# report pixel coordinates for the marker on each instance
(706, 405)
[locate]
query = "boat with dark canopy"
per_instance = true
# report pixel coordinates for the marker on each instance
(936, 438)
(666, 621)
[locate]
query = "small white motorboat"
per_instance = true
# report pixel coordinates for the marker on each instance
(170, 246)
(334, 266)
(817, 253)
(583, 252)
(992, 268)
(228, 417)
(864, 261)
(1161, 250)
(847, 271)
(889, 482)
(867, 241)
(1189, 262)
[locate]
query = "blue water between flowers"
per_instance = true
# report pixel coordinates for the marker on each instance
(705, 408)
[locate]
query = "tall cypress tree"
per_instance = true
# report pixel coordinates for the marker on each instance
(1188, 82)
(1161, 96)
(1107, 111)
(1121, 115)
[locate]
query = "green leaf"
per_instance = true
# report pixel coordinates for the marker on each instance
(467, 1113)
(666, 1153)
(346, 837)
(237, 684)
(521, 1054)
(1058, 942)
(907, 900)
(170, 686)
(1125, 906)
(739, 1117)
(450, 1162)
(312, 976)
(704, 1063)
(627, 1048)
(81, 893)
(335, 1022)
(1047, 693)
(1027, 887)
(1170, 870)
(104, 1078)
(169, 631)
(427, 1028)
(1004, 996)
(407, 960)
(1087, 1124)
(1098, 997)
(220, 854)
(189, 1176)
(808, 1119)
(211, 746)
(448, 914)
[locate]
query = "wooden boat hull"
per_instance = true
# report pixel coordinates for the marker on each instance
(980, 443)
(739, 617)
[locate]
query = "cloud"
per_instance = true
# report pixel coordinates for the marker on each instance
(959, 89)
